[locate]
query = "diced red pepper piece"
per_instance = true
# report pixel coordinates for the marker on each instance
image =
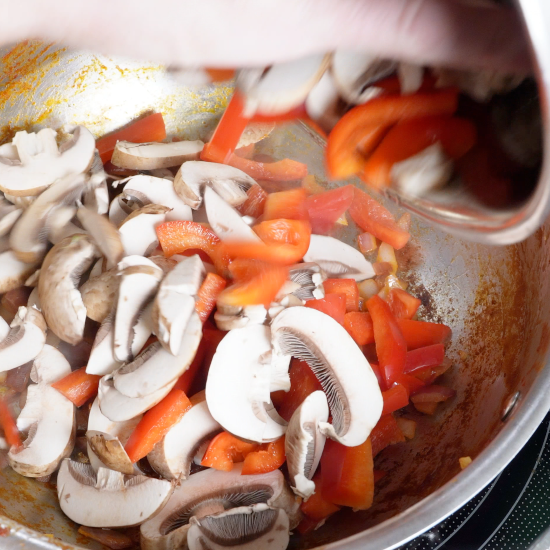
(255, 203)
(307, 525)
(378, 373)
(347, 287)
(359, 326)
(385, 433)
(208, 293)
(78, 387)
(367, 242)
(395, 398)
(211, 337)
(8, 425)
(423, 358)
(333, 305)
(324, 209)
(316, 507)
(267, 458)
(185, 381)
(220, 75)
(155, 424)
(419, 334)
(348, 476)
(225, 450)
(372, 217)
(289, 205)
(402, 304)
(429, 375)
(410, 383)
(146, 129)
(282, 170)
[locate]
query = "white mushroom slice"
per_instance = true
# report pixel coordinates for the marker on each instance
(282, 86)
(29, 236)
(351, 387)
(156, 190)
(104, 233)
(9, 214)
(427, 171)
(108, 498)
(254, 132)
(109, 451)
(119, 407)
(47, 417)
(137, 231)
(410, 77)
(41, 162)
(138, 286)
(226, 222)
(99, 294)
(162, 173)
(338, 259)
(59, 224)
(155, 368)
(34, 301)
(32, 280)
(9, 151)
(4, 329)
(97, 198)
(244, 528)
(25, 339)
(173, 455)
(304, 443)
(148, 156)
(116, 213)
(213, 491)
(239, 383)
(175, 302)
(230, 183)
(322, 103)
(13, 272)
(60, 299)
(230, 318)
(310, 277)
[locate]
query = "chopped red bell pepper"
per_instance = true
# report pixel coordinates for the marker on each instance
(347, 287)
(424, 358)
(155, 424)
(144, 130)
(208, 293)
(225, 450)
(411, 383)
(385, 433)
(78, 387)
(419, 334)
(372, 217)
(243, 269)
(282, 170)
(255, 203)
(186, 380)
(402, 304)
(333, 305)
(395, 398)
(378, 373)
(347, 474)
(307, 524)
(359, 326)
(324, 209)
(316, 507)
(8, 425)
(429, 375)
(391, 347)
(267, 458)
(220, 75)
(288, 116)
(289, 205)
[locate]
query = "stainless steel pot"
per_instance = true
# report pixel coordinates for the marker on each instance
(497, 300)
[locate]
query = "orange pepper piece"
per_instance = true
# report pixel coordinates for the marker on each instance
(225, 450)
(208, 293)
(269, 457)
(78, 387)
(289, 205)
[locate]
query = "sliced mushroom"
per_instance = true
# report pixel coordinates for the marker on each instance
(149, 156)
(304, 443)
(229, 318)
(410, 77)
(104, 233)
(99, 294)
(323, 102)
(166, 264)
(282, 86)
(148, 189)
(254, 132)
(110, 452)
(29, 236)
(4, 329)
(338, 259)
(60, 299)
(244, 528)
(59, 224)
(96, 198)
(108, 498)
(351, 387)
(47, 417)
(34, 301)
(230, 183)
(226, 222)
(137, 231)
(211, 491)
(138, 286)
(9, 214)
(40, 162)
(118, 210)
(310, 277)
(32, 280)
(25, 339)
(155, 368)
(13, 272)
(240, 379)
(173, 455)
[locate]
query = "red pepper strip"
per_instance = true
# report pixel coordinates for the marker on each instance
(8, 425)
(243, 269)
(378, 373)
(269, 457)
(385, 433)
(288, 116)
(359, 326)
(255, 203)
(185, 381)
(78, 387)
(144, 130)
(410, 137)
(324, 209)
(347, 287)
(372, 217)
(391, 347)
(228, 132)
(360, 130)
(307, 525)
(395, 398)
(423, 358)
(419, 334)
(281, 170)
(411, 384)
(333, 305)
(429, 375)
(317, 508)
(289, 205)
(402, 304)
(348, 477)
(225, 450)
(208, 293)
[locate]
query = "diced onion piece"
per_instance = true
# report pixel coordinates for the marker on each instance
(386, 253)
(367, 288)
(407, 426)
(404, 222)
(367, 242)
(464, 461)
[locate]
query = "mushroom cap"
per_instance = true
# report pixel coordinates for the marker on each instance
(9, 214)
(108, 499)
(48, 418)
(304, 443)
(310, 277)
(137, 231)
(228, 319)
(351, 387)
(13, 272)
(4, 328)
(243, 528)
(150, 156)
(99, 294)
(239, 385)
(338, 259)
(173, 455)
(110, 451)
